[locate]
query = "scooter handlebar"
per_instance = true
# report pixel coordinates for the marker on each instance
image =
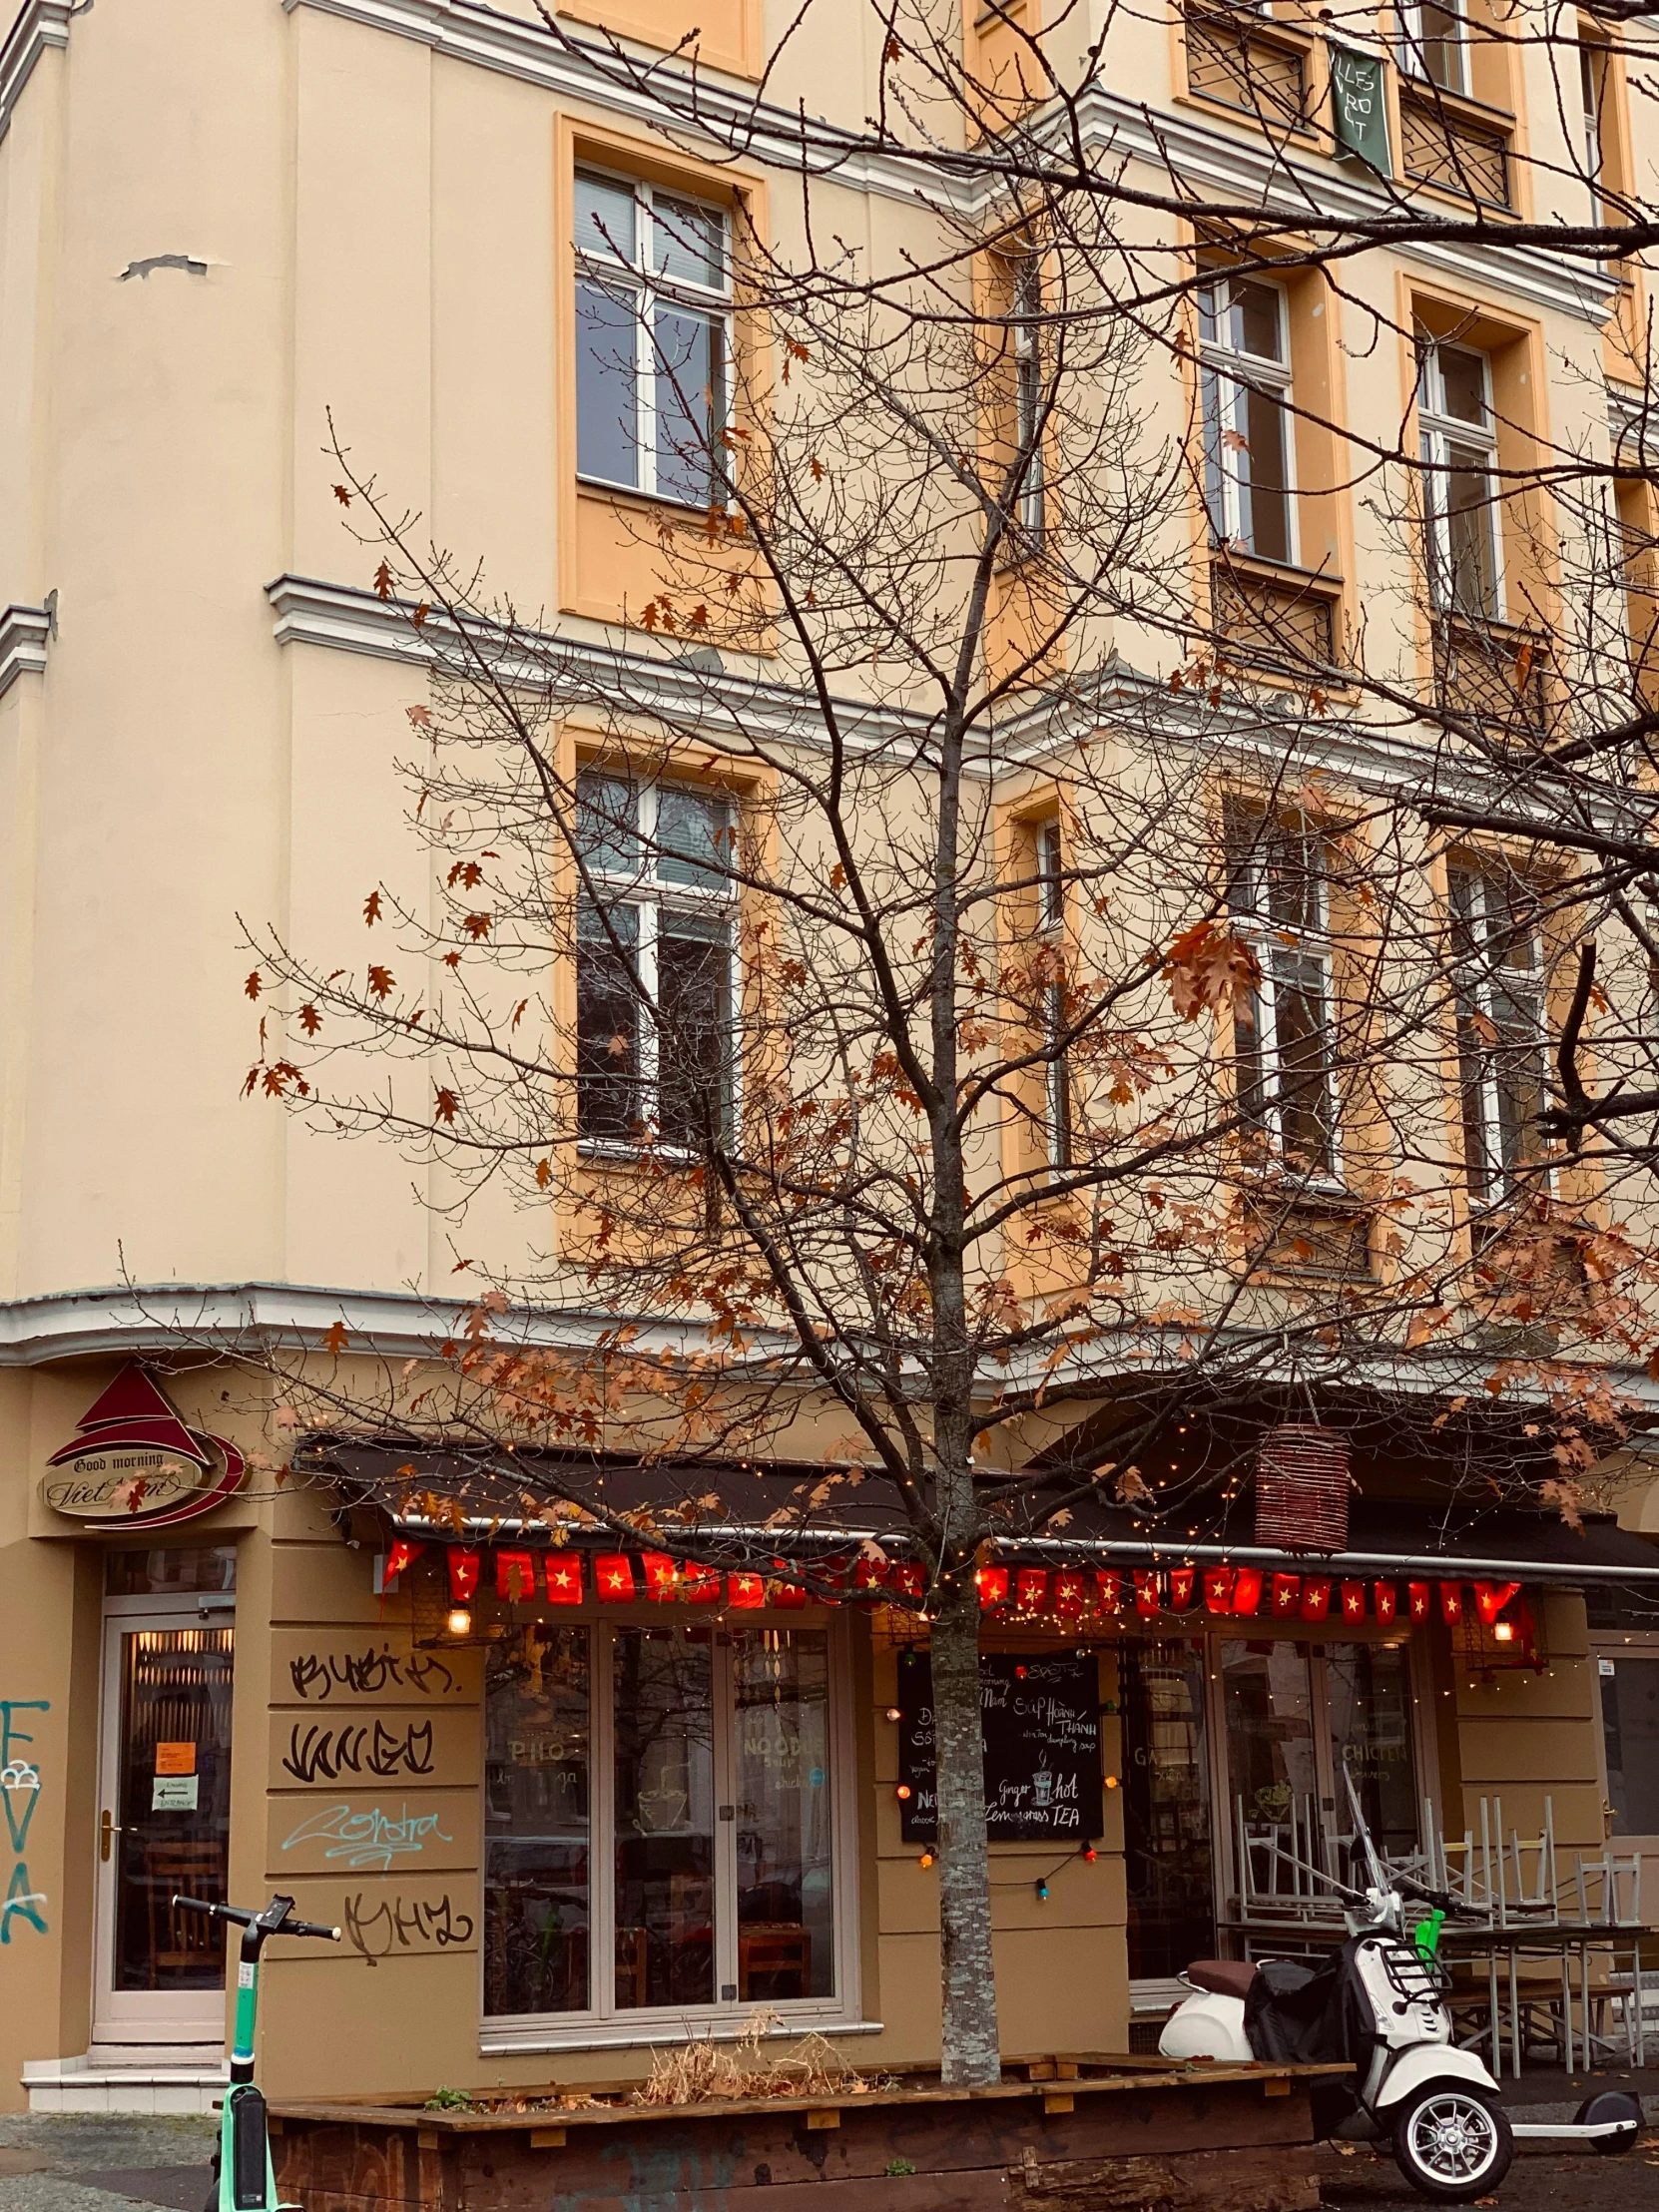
(241, 1917)
(214, 1911)
(309, 1928)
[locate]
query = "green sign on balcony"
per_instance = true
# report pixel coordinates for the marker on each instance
(1359, 112)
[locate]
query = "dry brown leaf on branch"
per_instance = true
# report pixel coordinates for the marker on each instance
(1209, 968)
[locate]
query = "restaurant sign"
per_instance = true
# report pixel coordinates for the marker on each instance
(133, 1461)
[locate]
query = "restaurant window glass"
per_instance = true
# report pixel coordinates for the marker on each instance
(1166, 1812)
(659, 1826)
(1630, 1735)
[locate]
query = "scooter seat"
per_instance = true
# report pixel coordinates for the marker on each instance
(1222, 1977)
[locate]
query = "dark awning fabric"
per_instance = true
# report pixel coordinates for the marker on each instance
(739, 1517)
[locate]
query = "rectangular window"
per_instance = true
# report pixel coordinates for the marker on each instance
(1245, 390)
(1028, 389)
(1284, 1038)
(1498, 947)
(1592, 59)
(1459, 444)
(660, 1820)
(1051, 909)
(655, 929)
(653, 339)
(1434, 45)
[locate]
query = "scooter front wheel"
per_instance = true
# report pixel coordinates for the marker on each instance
(1450, 2144)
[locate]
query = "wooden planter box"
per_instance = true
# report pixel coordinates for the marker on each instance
(1084, 2134)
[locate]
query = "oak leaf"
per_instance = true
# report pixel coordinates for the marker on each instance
(372, 910)
(336, 1339)
(1209, 968)
(253, 985)
(380, 981)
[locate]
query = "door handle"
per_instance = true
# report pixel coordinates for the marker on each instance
(108, 1826)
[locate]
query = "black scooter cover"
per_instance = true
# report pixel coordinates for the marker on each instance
(1296, 2014)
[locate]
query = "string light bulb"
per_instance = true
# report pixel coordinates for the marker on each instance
(1090, 1854)
(1042, 1892)
(927, 1859)
(902, 1791)
(893, 1713)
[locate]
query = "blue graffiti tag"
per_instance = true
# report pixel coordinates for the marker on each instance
(367, 1838)
(19, 1793)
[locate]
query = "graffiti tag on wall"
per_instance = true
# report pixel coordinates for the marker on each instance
(19, 1793)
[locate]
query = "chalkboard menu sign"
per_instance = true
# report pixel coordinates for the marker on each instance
(1042, 1719)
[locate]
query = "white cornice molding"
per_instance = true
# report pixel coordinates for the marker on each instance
(1239, 164)
(24, 633)
(38, 24)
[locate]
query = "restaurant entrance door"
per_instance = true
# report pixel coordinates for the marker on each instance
(163, 1822)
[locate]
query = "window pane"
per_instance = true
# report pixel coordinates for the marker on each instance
(1473, 1062)
(693, 985)
(1269, 1729)
(1442, 47)
(605, 217)
(607, 385)
(608, 1100)
(1631, 1730)
(1369, 1690)
(1255, 324)
(1208, 307)
(1301, 1020)
(607, 823)
(665, 1894)
(691, 404)
(1469, 513)
(786, 1923)
(1464, 384)
(692, 833)
(1166, 1810)
(690, 244)
(1050, 889)
(536, 1906)
(1519, 1073)
(1214, 426)
(1264, 503)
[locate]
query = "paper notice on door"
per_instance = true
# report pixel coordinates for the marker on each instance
(174, 1793)
(174, 1758)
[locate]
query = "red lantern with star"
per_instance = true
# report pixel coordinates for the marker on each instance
(515, 1577)
(402, 1554)
(993, 1587)
(1030, 1589)
(789, 1597)
(1452, 1603)
(1287, 1595)
(1247, 1592)
(870, 1576)
(1218, 1589)
(1108, 1591)
(463, 1575)
(1353, 1601)
(1419, 1598)
(662, 1576)
(1490, 1599)
(699, 1585)
(1147, 1599)
(563, 1574)
(1316, 1597)
(745, 1591)
(1385, 1600)
(1181, 1583)
(613, 1574)
(908, 1578)
(1070, 1594)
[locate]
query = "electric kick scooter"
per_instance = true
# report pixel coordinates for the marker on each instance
(243, 2172)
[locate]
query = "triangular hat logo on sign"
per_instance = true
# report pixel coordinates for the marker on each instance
(132, 1412)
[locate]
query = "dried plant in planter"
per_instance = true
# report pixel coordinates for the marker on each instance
(703, 2071)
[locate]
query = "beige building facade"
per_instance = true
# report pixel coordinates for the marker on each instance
(558, 1832)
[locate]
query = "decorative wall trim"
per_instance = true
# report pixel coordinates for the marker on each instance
(1198, 152)
(23, 632)
(38, 24)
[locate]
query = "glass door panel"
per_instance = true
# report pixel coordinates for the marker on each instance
(663, 1719)
(780, 1760)
(1630, 1733)
(1367, 1689)
(1166, 1810)
(164, 1824)
(538, 1761)
(1267, 1694)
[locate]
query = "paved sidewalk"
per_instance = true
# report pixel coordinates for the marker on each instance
(95, 2162)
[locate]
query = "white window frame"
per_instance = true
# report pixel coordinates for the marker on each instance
(1413, 46)
(1232, 371)
(1592, 59)
(1028, 391)
(1051, 916)
(1275, 943)
(598, 262)
(1438, 432)
(603, 2026)
(1475, 988)
(649, 896)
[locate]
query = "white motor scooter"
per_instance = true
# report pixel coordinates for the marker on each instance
(1386, 1994)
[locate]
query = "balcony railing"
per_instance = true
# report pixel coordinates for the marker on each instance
(1492, 672)
(1451, 143)
(1279, 619)
(1238, 61)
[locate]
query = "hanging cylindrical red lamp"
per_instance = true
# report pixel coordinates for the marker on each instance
(1302, 1486)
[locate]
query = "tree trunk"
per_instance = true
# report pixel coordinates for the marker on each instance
(970, 2051)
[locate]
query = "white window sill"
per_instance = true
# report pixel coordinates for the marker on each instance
(527, 2039)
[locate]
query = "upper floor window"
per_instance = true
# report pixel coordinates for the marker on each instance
(1591, 63)
(653, 339)
(1245, 389)
(654, 964)
(1459, 442)
(1285, 1039)
(1028, 389)
(1051, 912)
(1435, 44)
(1498, 947)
